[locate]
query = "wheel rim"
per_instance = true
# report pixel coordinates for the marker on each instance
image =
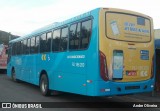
(44, 85)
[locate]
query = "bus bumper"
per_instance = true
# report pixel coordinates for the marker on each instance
(111, 88)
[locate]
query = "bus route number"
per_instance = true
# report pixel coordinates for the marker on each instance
(77, 64)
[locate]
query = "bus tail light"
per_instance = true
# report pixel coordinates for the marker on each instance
(103, 67)
(152, 68)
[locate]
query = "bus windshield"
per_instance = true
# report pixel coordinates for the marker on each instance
(127, 27)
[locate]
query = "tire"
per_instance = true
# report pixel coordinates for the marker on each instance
(44, 85)
(13, 75)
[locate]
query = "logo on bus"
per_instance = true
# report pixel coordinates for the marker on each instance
(43, 57)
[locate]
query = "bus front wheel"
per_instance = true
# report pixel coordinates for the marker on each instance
(44, 85)
(13, 75)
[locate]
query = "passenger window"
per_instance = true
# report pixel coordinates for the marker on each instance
(74, 36)
(18, 48)
(64, 39)
(43, 46)
(32, 45)
(24, 46)
(72, 33)
(56, 40)
(37, 45)
(14, 49)
(80, 35)
(21, 48)
(85, 34)
(28, 46)
(49, 37)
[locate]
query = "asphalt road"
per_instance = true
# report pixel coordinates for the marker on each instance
(23, 92)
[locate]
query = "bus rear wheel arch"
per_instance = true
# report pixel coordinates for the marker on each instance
(44, 85)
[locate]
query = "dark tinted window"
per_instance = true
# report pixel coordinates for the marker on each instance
(49, 37)
(74, 36)
(24, 46)
(33, 42)
(64, 39)
(43, 46)
(28, 46)
(85, 34)
(18, 49)
(37, 45)
(56, 40)
(14, 49)
(21, 48)
(80, 35)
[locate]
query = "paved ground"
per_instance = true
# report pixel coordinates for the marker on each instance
(23, 92)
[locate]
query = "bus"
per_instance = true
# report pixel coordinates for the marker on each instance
(102, 52)
(3, 57)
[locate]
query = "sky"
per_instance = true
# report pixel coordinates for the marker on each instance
(21, 17)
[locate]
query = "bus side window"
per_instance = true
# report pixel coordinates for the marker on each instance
(12, 51)
(56, 40)
(78, 35)
(21, 48)
(28, 46)
(85, 34)
(32, 48)
(74, 36)
(24, 46)
(14, 48)
(49, 37)
(18, 48)
(64, 39)
(37, 45)
(43, 45)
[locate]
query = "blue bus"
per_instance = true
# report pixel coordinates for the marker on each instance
(102, 52)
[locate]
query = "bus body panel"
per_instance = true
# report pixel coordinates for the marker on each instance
(78, 71)
(67, 71)
(131, 60)
(132, 52)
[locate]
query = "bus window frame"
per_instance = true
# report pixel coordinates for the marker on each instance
(77, 22)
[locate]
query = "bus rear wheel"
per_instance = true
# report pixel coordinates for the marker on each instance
(44, 85)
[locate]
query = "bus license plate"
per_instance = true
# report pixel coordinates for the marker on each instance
(131, 73)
